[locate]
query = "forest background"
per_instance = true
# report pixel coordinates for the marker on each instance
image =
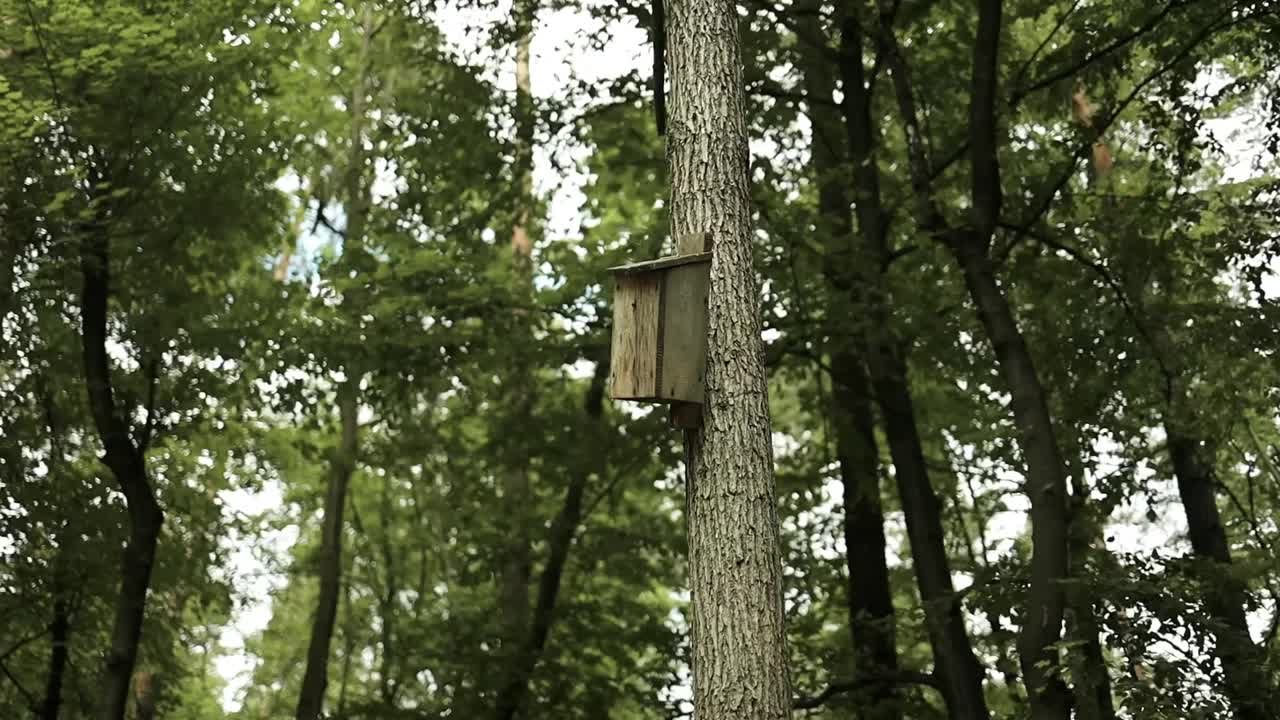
(345, 270)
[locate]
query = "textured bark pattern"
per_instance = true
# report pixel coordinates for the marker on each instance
(739, 646)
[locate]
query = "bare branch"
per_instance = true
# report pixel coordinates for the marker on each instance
(983, 144)
(902, 677)
(1120, 42)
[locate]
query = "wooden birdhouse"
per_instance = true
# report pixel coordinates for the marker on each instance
(660, 329)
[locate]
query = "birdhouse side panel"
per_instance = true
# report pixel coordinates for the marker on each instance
(684, 329)
(636, 337)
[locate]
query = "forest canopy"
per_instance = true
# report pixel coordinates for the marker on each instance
(308, 343)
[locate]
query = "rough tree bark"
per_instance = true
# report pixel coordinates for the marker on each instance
(870, 597)
(560, 541)
(735, 566)
(126, 459)
(315, 678)
(1046, 477)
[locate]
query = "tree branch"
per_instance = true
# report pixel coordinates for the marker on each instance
(1041, 207)
(1026, 66)
(26, 694)
(920, 169)
(149, 425)
(23, 642)
(1101, 271)
(902, 677)
(1074, 68)
(983, 147)
(560, 542)
(766, 88)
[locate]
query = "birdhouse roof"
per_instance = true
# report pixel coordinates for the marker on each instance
(660, 264)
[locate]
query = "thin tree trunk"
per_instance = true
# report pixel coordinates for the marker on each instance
(127, 463)
(388, 605)
(735, 561)
(959, 672)
(960, 675)
(341, 467)
(560, 541)
(1046, 483)
(1243, 663)
(516, 494)
(1045, 486)
(60, 625)
(1093, 688)
(59, 636)
(342, 460)
(348, 635)
(870, 598)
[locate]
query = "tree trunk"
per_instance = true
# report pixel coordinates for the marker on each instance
(870, 597)
(560, 541)
(342, 460)
(1093, 688)
(128, 464)
(1243, 663)
(871, 617)
(1045, 486)
(517, 567)
(59, 636)
(735, 566)
(960, 674)
(315, 679)
(1045, 482)
(388, 602)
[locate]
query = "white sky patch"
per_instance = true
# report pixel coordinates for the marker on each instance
(254, 581)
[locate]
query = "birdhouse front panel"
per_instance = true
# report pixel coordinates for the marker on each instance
(636, 347)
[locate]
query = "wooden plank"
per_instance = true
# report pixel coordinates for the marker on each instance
(684, 355)
(660, 264)
(686, 416)
(693, 243)
(634, 371)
